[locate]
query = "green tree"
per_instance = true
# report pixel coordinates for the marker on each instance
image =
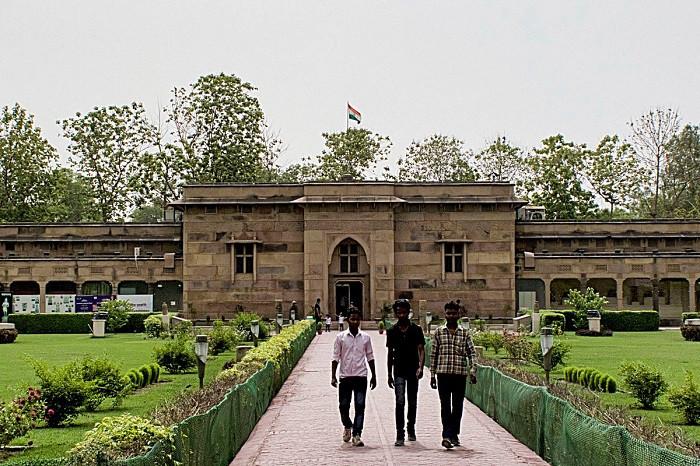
(107, 145)
(26, 161)
(502, 161)
(556, 182)
(352, 154)
(681, 190)
(218, 124)
(71, 198)
(147, 214)
(436, 158)
(652, 134)
(614, 172)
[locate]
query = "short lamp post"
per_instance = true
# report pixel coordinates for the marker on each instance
(428, 320)
(254, 329)
(464, 323)
(201, 348)
(280, 321)
(546, 343)
(293, 316)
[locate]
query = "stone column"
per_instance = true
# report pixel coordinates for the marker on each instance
(620, 291)
(547, 293)
(584, 282)
(655, 294)
(692, 302)
(42, 297)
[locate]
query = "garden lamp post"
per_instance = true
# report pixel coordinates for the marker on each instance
(201, 348)
(464, 323)
(254, 329)
(428, 319)
(546, 343)
(280, 321)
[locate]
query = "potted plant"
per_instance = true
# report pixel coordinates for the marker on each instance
(319, 327)
(381, 326)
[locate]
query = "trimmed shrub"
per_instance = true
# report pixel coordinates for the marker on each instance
(139, 379)
(686, 400)
(570, 317)
(630, 321)
(551, 318)
(646, 383)
(133, 377)
(153, 326)
(146, 373)
(69, 322)
(611, 387)
(590, 378)
(156, 371)
(176, 355)
(63, 390)
(106, 380)
(135, 322)
(8, 335)
(691, 332)
(690, 315)
(118, 438)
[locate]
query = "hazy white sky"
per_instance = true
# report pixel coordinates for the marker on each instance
(473, 69)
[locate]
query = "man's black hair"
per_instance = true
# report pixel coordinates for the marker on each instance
(404, 303)
(354, 310)
(452, 305)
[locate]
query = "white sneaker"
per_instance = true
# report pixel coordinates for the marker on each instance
(346, 435)
(357, 441)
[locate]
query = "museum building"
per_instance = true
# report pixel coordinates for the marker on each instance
(248, 246)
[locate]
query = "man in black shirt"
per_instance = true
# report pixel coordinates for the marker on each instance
(406, 353)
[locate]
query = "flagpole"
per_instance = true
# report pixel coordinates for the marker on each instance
(347, 117)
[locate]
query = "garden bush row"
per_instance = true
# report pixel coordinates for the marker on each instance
(70, 322)
(617, 321)
(591, 378)
(145, 375)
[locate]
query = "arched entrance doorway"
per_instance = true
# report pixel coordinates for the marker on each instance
(349, 278)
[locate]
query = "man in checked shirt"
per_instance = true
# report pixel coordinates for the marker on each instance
(452, 359)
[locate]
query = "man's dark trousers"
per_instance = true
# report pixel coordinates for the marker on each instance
(406, 387)
(451, 389)
(356, 388)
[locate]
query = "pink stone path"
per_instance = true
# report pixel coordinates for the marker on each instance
(302, 425)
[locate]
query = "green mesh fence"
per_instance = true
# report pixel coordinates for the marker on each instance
(558, 432)
(213, 438)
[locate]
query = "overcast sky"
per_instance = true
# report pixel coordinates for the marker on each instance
(472, 69)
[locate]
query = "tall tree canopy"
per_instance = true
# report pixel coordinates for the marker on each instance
(436, 158)
(556, 179)
(219, 125)
(107, 145)
(681, 176)
(503, 161)
(26, 161)
(614, 172)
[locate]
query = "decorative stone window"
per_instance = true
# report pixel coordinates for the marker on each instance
(244, 257)
(454, 256)
(349, 254)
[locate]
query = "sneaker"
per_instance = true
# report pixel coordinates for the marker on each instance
(447, 444)
(346, 434)
(455, 441)
(412, 437)
(357, 441)
(399, 442)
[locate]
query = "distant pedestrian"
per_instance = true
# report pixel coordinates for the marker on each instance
(341, 322)
(328, 322)
(452, 359)
(293, 311)
(353, 352)
(317, 310)
(406, 354)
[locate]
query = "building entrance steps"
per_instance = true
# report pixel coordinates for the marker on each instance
(302, 424)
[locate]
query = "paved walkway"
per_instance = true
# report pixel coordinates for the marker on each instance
(302, 424)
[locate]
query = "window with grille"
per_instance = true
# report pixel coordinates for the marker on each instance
(349, 256)
(454, 254)
(244, 258)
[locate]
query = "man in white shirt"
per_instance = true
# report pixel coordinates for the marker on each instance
(353, 352)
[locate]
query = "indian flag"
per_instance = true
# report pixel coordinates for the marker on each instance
(353, 114)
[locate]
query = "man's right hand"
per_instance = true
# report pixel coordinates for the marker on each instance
(433, 382)
(391, 382)
(334, 381)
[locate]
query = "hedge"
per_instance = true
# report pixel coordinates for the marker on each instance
(590, 378)
(549, 317)
(69, 322)
(630, 321)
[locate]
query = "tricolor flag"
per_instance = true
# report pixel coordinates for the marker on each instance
(353, 114)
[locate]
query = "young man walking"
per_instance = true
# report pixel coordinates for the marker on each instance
(452, 359)
(352, 351)
(406, 354)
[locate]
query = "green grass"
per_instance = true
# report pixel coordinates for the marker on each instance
(127, 350)
(666, 350)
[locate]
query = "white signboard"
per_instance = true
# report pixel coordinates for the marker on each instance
(25, 304)
(141, 302)
(60, 303)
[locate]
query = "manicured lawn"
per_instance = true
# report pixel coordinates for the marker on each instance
(127, 350)
(666, 350)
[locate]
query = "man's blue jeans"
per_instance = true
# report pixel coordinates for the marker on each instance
(352, 387)
(406, 387)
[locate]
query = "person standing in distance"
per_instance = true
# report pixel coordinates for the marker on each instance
(406, 353)
(353, 352)
(452, 359)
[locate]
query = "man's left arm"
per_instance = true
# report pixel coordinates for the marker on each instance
(369, 353)
(421, 353)
(471, 354)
